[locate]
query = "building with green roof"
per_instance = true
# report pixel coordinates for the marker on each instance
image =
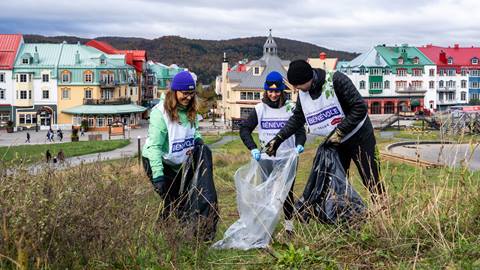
(53, 78)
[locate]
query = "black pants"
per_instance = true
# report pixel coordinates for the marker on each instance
(172, 199)
(289, 204)
(361, 147)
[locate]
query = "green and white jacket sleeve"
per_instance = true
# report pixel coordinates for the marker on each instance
(157, 144)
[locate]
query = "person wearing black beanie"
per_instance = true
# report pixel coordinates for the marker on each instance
(331, 106)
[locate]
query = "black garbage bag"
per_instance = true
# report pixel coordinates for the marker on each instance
(328, 196)
(199, 207)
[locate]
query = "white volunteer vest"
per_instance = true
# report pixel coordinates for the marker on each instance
(180, 139)
(271, 121)
(324, 113)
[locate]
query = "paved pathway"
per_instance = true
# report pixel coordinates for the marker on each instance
(449, 154)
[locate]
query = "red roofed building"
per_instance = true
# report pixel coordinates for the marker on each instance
(9, 46)
(135, 58)
(458, 73)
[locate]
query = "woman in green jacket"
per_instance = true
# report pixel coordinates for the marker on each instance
(173, 136)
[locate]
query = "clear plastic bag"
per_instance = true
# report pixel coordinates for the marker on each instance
(262, 188)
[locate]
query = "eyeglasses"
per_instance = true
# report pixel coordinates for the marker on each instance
(188, 93)
(270, 83)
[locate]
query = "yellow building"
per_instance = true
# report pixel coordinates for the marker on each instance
(241, 86)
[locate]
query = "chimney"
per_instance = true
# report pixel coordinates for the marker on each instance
(443, 57)
(77, 58)
(225, 57)
(36, 57)
(456, 46)
(323, 56)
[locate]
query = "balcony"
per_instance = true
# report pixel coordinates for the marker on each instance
(108, 84)
(446, 102)
(410, 89)
(102, 101)
(447, 89)
(375, 91)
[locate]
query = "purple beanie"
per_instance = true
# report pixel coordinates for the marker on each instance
(183, 81)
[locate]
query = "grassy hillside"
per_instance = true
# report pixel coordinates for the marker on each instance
(104, 216)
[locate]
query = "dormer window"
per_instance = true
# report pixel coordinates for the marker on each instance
(475, 61)
(66, 76)
(400, 61)
(415, 60)
(450, 60)
(25, 61)
(256, 71)
(102, 62)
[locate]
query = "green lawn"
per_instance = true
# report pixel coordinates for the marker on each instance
(36, 152)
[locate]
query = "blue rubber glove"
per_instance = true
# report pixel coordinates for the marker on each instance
(255, 154)
(300, 149)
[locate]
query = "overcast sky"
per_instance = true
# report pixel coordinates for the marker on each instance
(352, 25)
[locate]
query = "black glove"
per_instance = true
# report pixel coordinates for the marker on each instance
(160, 186)
(335, 138)
(198, 142)
(272, 146)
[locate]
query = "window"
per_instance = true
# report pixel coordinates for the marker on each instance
(45, 78)
(45, 94)
(417, 72)
(88, 77)
(451, 96)
(109, 120)
(450, 61)
(375, 71)
(88, 93)
(417, 84)
(401, 72)
(23, 94)
(463, 84)
(288, 96)
(362, 85)
(441, 72)
(65, 76)
(375, 85)
(256, 96)
(2, 77)
(431, 84)
(475, 72)
(362, 71)
(256, 70)
(30, 94)
(100, 121)
(102, 61)
(431, 72)
(387, 71)
(386, 85)
(65, 93)
(451, 84)
(23, 77)
(451, 72)
(91, 122)
(400, 85)
(21, 118)
(2, 93)
(475, 85)
(464, 72)
(245, 112)
(415, 60)
(475, 61)
(463, 95)
(440, 84)
(400, 61)
(131, 91)
(25, 61)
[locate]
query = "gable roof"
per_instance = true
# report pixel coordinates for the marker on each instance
(9, 45)
(392, 53)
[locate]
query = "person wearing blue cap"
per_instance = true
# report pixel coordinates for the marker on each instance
(271, 115)
(172, 136)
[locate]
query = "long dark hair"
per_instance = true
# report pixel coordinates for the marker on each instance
(281, 100)
(170, 104)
